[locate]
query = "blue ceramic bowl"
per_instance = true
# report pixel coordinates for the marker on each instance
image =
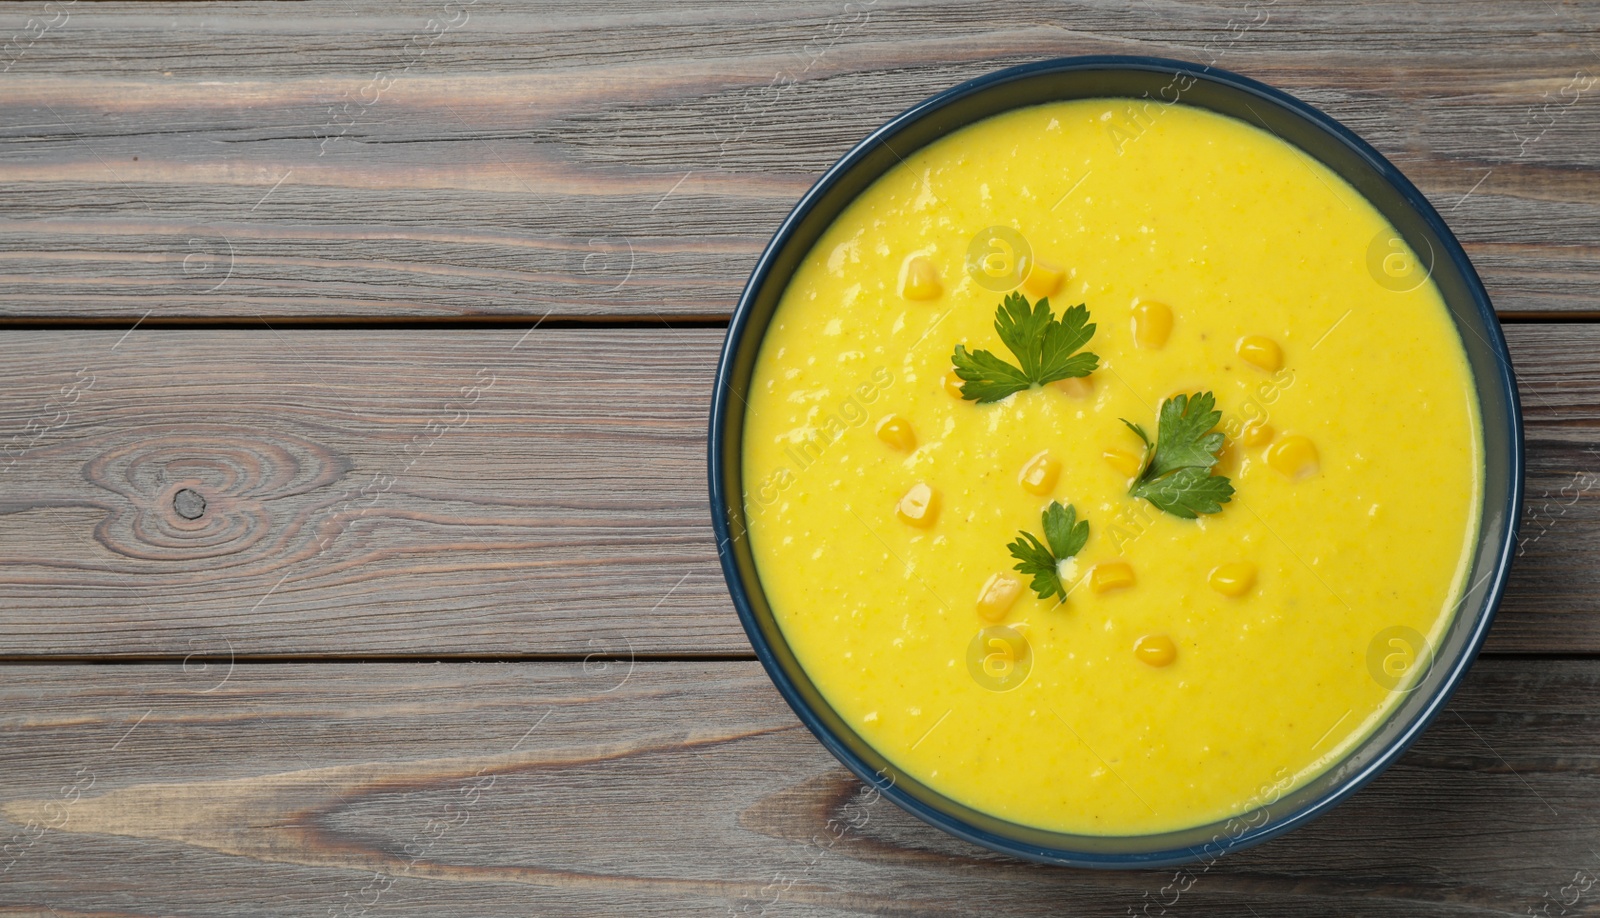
(1153, 82)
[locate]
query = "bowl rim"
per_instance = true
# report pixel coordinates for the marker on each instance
(1504, 381)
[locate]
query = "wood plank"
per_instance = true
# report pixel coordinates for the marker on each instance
(458, 492)
(341, 789)
(455, 492)
(629, 161)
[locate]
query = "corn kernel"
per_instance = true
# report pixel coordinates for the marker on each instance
(1044, 279)
(1294, 457)
(1156, 650)
(896, 431)
(1076, 386)
(1039, 474)
(919, 279)
(1234, 578)
(1152, 323)
(1261, 352)
(953, 384)
(919, 507)
(997, 597)
(1123, 461)
(1256, 433)
(1110, 575)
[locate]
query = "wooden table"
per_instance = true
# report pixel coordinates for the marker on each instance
(355, 542)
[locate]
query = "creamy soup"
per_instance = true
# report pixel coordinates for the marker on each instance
(1194, 665)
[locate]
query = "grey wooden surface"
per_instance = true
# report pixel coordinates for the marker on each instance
(681, 789)
(470, 491)
(628, 160)
(422, 303)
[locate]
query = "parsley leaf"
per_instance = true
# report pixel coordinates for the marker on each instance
(1187, 492)
(1064, 536)
(1176, 472)
(988, 378)
(1043, 345)
(1187, 435)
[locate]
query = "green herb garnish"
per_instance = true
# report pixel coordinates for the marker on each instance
(1064, 535)
(1042, 344)
(1176, 472)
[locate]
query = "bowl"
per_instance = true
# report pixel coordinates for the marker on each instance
(1154, 82)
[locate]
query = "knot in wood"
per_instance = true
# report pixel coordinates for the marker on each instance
(205, 491)
(189, 504)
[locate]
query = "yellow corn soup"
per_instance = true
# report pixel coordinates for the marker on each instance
(1196, 665)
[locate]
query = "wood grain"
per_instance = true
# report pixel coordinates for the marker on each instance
(343, 790)
(628, 161)
(200, 498)
(481, 492)
(393, 487)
